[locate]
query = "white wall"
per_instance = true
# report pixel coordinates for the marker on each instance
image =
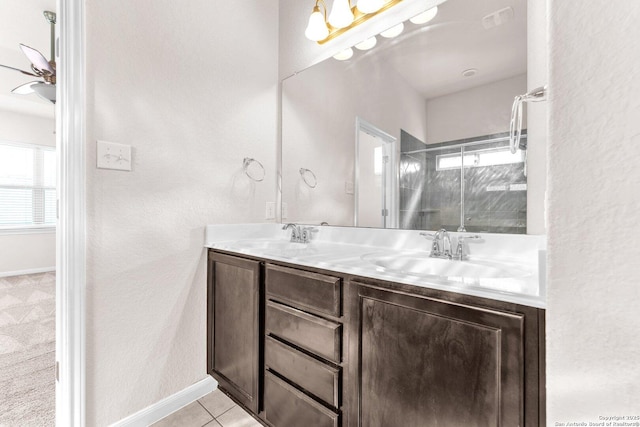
(193, 88)
(24, 252)
(593, 346)
(319, 110)
(482, 110)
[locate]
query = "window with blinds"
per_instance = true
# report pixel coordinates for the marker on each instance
(27, 186)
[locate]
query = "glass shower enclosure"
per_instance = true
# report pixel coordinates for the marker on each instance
(474, 185)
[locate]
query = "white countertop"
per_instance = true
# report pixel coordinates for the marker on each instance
(362, 252)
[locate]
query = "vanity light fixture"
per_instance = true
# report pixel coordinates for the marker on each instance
(424, 17)
(341, 15)
(369, 6)
(317, 27)
(367, 44)
(393, 31)
(344, 55)
(342, 18)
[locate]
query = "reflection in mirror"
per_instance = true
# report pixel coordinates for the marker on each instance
(377, 171)
(487, 195)
(412, 133)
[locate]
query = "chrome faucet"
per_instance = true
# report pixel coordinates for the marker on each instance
(460, 254)
(441, 246)
(298, 234)
(305, 235)
(295, 231)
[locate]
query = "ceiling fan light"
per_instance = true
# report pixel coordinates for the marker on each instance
(341, 15)
(344, 55)
(367, 44)
(370, 6)
(426, 16)
(45, 91)
(393, 31)
(317, 28)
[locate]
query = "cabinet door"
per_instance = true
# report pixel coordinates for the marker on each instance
(233, 313)
(427, 362)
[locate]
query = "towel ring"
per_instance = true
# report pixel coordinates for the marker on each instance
(245, 167)
(307, 176)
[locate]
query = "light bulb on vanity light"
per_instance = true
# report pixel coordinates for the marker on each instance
(393, 31)
(367, 44)
(424, 17)
(341, 15)
(344, 55)
(369, 6)
(317, 28)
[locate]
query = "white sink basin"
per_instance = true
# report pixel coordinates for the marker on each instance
(276, 247)
(270, 244)
(423, 265)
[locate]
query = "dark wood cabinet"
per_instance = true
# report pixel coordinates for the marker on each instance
(234, 316)
(305, 347)
(423, 361)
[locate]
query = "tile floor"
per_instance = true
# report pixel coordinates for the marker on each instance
(213, 410)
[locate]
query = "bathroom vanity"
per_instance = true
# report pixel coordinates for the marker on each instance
(319, 335)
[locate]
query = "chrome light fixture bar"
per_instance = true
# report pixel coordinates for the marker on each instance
(343, 17)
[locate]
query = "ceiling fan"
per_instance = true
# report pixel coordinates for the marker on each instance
(40, 67)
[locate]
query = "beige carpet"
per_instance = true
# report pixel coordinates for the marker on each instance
(27, 350)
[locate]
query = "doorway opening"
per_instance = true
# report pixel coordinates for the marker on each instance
(376, 177)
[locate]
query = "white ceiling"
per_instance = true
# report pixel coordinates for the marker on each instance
(432, 57)
(21, 21)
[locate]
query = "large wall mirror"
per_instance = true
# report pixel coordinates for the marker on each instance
(413, 133)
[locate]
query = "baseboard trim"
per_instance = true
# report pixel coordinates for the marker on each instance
(30, 271)
(168, 405)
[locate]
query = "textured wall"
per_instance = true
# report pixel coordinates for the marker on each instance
(594, 199)
(319, 134)
(482, 110)
(19, 252)
(193, 88)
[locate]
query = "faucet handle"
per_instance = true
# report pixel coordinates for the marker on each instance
(305, 236)
(459, 254)
(295, 231)
(435, 246)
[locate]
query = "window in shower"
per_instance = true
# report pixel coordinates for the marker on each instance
(475, 183)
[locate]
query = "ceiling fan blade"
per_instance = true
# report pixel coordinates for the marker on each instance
(25, 89)
(19, 70)
(37, 59)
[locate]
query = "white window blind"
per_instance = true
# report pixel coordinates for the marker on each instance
(27, 186)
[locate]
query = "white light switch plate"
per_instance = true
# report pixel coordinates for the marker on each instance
(111, 155)
(348, 187)
(270, 211)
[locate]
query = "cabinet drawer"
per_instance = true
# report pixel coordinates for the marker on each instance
(305, 289)
(312, 375)
(312, 333)
(284, 406)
